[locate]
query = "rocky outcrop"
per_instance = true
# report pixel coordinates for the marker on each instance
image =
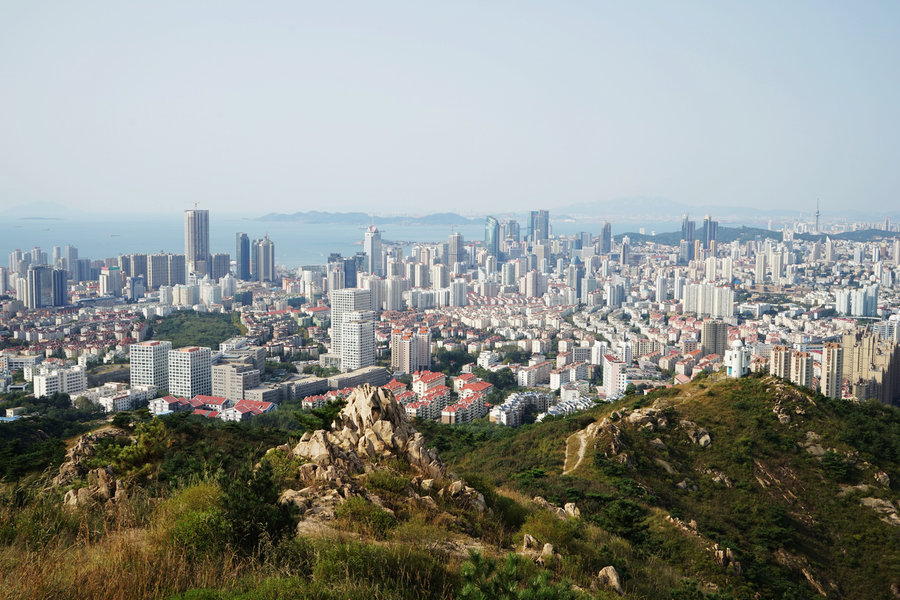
(370, 429)
(569, 511)
(533, 550)
(73, 467)
(887, 512)
(102, 486)
(696, 434)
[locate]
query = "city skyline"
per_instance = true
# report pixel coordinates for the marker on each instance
(763, 106)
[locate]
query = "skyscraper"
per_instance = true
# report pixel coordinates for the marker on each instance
(492, 236)
(346, 301)
(357, 340)
(832, 370)
(606, 238)
(710, 232)
(372, 248)
(539, 226)
(714, 337)
(196, 241)
(456, 251)
(263, 265)
(242, 257)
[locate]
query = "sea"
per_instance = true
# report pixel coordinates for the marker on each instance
(296, 244)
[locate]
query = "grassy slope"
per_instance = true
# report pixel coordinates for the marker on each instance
(189, 328)
(781, 496)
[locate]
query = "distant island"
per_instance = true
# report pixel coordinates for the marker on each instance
(315, 217)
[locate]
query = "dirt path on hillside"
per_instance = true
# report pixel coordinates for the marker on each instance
(573, 457)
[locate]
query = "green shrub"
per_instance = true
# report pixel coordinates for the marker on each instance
(362, 516)
(203, 532)
(383, 479)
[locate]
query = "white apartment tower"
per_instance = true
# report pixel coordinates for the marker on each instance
(190, 372)
(196, 241)
(150, 364)
(357, 340)
(345, 301)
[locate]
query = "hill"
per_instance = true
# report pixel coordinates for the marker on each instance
(190, 328)
(718, 489)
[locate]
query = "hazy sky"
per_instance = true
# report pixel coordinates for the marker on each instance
(469, 106)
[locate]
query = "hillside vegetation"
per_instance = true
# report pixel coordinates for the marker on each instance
(714, 490)
(190, 328)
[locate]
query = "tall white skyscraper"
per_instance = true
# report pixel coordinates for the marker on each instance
(357, 340)
(263, 260)
(196, 241)
(190, 372)
(150, 363)
(372, 248)
(346, 301)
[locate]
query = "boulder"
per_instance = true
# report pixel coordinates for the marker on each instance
(572, 510)
(609, 578)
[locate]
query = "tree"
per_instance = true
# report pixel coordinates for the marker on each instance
(250, 500)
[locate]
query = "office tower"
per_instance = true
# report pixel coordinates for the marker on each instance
(221, 265)
(802, 369)
(335, 278)
(714, 337)
(80, 269)
(539, 226)
(455, 251)
(4, 280)
(510, 231)
(459, 292)
(196, 241)
(190, 372)
(575, 276)
(780, 362)
(832, 370)
(346, 301)
(150, 363)
(372, 248)
(111, 281)
(606, 238)
(263, 260)
(624, 253)
(70, 256)
(687, 229)
(39, 290)
(349, 267)
(56, 258)
(242, 257)
(357, 340)
(492, 236)
(710, 232)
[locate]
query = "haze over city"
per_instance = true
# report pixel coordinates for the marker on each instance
(406, 107)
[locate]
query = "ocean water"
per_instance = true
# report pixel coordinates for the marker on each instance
(296, 244)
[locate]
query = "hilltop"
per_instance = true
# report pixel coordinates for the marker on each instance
(717, 489)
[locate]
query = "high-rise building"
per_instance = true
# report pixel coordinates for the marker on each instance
(458, 292)
(263, 264)
(242, 257)
(780, 362)
(710, 232)
(410, 350)
(196, 241)
(539, 226)
(231, 380)
(45, 287)
(832, 370)
(221, 265)
(802, 369)
(150, 363)
(343, 302)
(372, 248)
(492, 236)
(190, 372)
(111, 281)
(606, 238)
(357, 340)
(456, 251)
(510, 231)
(714, 337)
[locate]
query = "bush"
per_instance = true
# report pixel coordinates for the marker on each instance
(250, 500)
(362, 516)
(203, 532)
(387, 481)
(484, 579)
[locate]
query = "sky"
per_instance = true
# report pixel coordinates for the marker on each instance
(414, 107)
